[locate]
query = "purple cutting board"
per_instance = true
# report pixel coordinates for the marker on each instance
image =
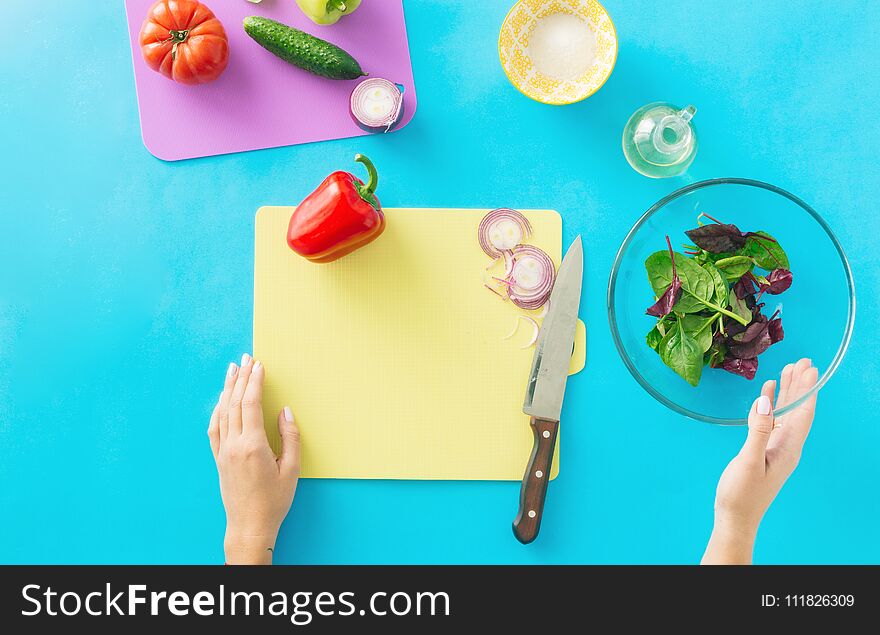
(261, 101)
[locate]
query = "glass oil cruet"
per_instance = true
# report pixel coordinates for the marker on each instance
(659, 140)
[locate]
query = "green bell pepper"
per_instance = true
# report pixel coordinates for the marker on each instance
(327, 11)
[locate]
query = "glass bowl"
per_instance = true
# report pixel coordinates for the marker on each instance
(818, 310)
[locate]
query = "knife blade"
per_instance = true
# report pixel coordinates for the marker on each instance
(546, 388)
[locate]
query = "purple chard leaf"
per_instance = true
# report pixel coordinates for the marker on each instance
(744, 287)
(755, 339)
(778, 281)
(743, 367)
(718, 238)
(751, 342)
(775, 330)
(664, 304)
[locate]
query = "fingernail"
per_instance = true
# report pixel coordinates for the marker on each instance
(245, 360)
(257, 365)
(288, 415)
(232, 369)
(763, 405)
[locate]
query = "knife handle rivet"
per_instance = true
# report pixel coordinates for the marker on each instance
(546, 434)
(532, 513)
(539, 474)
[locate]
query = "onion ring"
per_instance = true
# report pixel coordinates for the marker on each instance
(535, 329)
(531, 281)
(376, 104)
(501, 230)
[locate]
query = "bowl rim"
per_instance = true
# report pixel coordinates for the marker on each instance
(559, 103)
(612, 280)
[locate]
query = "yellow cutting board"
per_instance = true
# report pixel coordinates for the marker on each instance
(392, 358)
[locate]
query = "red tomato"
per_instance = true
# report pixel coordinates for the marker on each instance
(183, 40)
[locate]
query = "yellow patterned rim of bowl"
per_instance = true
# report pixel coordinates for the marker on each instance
(513, 43)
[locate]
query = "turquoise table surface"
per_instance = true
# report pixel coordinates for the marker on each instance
(127, 287)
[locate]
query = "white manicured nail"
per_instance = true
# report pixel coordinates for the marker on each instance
(257, 365)
(288, 415)
(245, 360)
(232, 369)
(763, 405)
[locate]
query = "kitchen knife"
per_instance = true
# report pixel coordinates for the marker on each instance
(546, 388)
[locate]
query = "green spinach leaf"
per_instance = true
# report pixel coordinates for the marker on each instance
(721, 290)
(765, 250)
(654, 337)
(699, 328)
(682, 353)
(689, 304)
(735, 267)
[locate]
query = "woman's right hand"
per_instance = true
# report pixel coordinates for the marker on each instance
(256, 486)
(770, 454)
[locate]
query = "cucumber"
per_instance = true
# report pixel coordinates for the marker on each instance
(306, 51)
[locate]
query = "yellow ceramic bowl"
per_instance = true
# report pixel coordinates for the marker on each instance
(513, 49)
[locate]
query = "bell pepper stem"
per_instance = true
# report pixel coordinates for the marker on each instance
(367, 191)
(336, 5)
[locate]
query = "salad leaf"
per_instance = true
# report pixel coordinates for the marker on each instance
(699, 328)
(665, 302)
(682, 353)
(741, 308)
(732, 328)
(735, 267)
(697, 285)
(689, 304)
(751, 342)
(717, 238)
(744, 287)
(765, 250)
(721, 291)
(774, 329)
(778, 281)
(747, 368)
(654, 337)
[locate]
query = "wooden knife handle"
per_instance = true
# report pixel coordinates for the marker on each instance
(535, 480)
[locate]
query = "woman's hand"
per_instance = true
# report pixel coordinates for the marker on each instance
(257, 488)
(754, 477)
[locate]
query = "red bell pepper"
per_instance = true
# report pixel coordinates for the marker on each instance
(340, 216)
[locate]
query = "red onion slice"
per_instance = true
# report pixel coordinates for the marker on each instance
(535, 330)
(495, 281)
(531, 281)
(501, 230)
(376, 104)
(494, 291)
